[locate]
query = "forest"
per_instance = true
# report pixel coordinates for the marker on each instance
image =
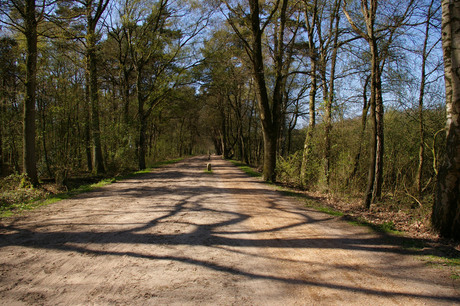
(342, 97)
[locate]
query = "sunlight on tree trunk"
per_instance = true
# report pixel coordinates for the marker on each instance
(446, 209)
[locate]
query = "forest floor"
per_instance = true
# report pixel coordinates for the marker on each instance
(183, 236)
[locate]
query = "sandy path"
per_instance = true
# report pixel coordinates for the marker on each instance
(182, 236)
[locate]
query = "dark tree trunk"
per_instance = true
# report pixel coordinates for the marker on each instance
(2, 119)
(311, 25)
(142, 145)
(379, 113)
(375, 177)
(29, 157)
(87, 126)
(126, 97)
(94, 99)
(372, 158)
(330, 96)
(94, 12)
(142, 123)
(270, 116)
(361, 132)
(311, 125)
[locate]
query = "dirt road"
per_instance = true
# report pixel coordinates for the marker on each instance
(181, 236)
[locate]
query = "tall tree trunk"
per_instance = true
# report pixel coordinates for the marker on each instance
(379, 113)
(446, 208)
(87, 125)
(270, 116)
(94, 10)
(372, 158)
(141, 149)
(29, 158)
(307, 147)
(45, 150)
(94, 99)
(142, 144)
(270, 109)
(224, 135)
(311, 124)
(2, 119)
(330, 97)
(419, 175)
(125, 90)
(375, 177)
(361, 132)
(328, 92)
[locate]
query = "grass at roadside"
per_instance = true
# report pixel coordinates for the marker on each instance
(317, 204)
(433, 252)
(40, 198)
(246, 168)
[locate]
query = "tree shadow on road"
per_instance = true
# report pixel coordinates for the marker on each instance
(225, 232)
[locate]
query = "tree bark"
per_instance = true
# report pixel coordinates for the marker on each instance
(375, 179)
(379, 113)
(2, 120)
(372, 158)
(446, 208)
(312, 95)
(361, 132)
(141, 149)
(94, 98)
(330, 96)
(419, 175)
(2, 112)
(94, 12)
(125, 89)
(311, 125)
(87, 125)
(269, 116)
(30, 31)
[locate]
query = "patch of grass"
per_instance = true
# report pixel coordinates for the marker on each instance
(166, 162)
(103, 183)
(316, 205)
(330, 211)
(290, 193)
(385, 227)
(444, 262)
(247, 169)
(413, 244)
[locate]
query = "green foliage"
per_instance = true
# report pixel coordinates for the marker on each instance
(324, 209)
(443, 262)
(16, 192)
(401, 157)
(288, 169)
(385, 227)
